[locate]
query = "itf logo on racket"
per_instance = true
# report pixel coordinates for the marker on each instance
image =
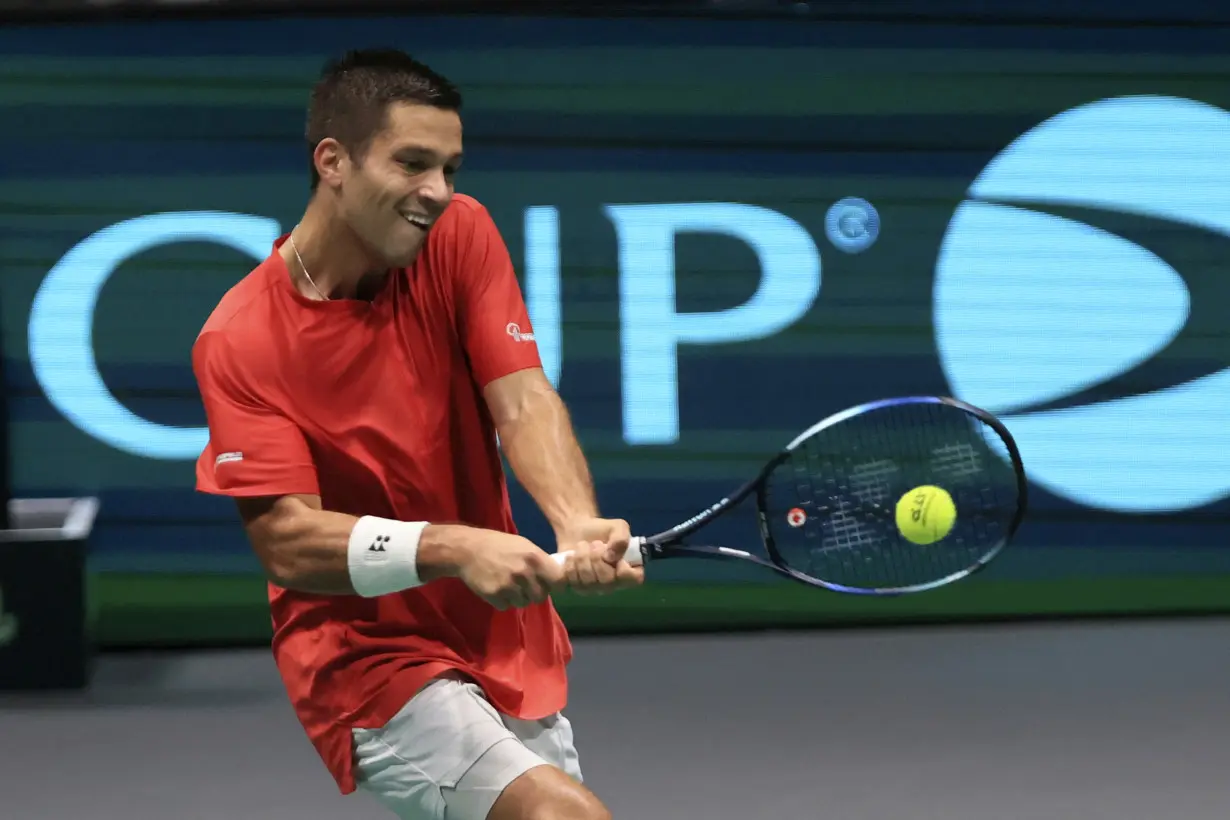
(1080, 294)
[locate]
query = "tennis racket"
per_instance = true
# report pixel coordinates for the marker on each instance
(834, 505)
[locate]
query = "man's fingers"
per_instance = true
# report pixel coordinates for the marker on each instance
(533, 585)
(606, 573)
(534, 592)
(615, 550)
(603, 570)
(517, 598)
(587, 573)
(549, 570)
(628, 575)
(617, 541)
(572, 576)
(502, 602)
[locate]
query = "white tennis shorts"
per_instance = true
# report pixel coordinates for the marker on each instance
(449, 753)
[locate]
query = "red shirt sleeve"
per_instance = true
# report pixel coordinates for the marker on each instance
(253, 448)
(493, 319)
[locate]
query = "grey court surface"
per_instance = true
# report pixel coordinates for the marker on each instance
(1124, 721)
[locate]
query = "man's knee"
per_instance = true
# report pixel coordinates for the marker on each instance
(547, 793)
(582, 804)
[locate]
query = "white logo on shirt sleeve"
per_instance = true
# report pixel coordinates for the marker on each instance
(513, 329)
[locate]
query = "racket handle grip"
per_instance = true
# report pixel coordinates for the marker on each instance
(634, 555)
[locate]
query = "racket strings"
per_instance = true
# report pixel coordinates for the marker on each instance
(832, 505)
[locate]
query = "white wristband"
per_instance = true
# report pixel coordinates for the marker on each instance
(383, 555)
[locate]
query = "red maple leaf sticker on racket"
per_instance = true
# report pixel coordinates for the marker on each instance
(796, 517)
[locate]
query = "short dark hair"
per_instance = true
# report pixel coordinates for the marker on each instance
(351, 99)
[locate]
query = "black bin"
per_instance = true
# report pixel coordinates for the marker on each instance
(44, 631)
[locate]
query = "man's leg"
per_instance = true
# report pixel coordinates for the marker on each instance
(557, 784)
(546, 793)
(448, 755)
(551, 739)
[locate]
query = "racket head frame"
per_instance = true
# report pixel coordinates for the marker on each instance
(669, 543)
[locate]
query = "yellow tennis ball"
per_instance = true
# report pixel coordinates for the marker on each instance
(926, 514)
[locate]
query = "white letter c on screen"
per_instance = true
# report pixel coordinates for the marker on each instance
(62, 324)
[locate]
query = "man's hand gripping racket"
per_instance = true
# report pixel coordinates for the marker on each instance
(891, 497)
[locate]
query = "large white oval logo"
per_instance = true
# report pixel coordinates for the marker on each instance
(1031, 307)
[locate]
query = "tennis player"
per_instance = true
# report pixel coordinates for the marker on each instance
(355, 383)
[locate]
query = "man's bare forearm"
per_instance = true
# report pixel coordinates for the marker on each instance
(307, 549)
(547, 459)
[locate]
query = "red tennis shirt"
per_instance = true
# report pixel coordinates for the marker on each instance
(377, 408)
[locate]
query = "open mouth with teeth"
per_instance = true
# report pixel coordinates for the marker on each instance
(420, 222)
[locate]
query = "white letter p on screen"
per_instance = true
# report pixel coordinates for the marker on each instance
(650, 328)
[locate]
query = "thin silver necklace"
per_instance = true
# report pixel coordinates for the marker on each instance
(295, 248)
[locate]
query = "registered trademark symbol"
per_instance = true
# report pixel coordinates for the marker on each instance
(852, 224)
